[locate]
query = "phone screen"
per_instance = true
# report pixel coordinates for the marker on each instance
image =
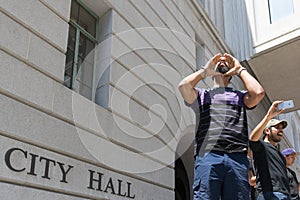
(286, 104)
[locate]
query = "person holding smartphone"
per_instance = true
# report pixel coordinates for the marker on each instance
(271, 175)
(221, 163)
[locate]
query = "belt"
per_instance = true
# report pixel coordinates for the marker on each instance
(222, 152)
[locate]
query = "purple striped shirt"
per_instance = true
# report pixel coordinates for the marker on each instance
(221, 120)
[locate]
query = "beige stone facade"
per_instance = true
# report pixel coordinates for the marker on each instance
(117, 134)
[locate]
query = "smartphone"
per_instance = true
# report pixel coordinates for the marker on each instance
(286, 104)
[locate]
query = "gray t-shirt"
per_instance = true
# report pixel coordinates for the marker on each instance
(270, 168)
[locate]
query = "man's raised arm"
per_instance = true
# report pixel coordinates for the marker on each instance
(187, 85)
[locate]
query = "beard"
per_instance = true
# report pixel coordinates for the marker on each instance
(222, 68)
(275, 138)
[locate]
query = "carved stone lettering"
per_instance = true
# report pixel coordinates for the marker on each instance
(96, 180)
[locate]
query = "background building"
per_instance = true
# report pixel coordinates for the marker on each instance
(88, 90)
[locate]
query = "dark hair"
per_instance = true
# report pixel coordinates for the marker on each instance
(264, 132)
(264, 135)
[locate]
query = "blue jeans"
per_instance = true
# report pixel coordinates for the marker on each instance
(221, 175)
(273, 196)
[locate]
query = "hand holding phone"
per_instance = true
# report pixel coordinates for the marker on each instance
(286, 104)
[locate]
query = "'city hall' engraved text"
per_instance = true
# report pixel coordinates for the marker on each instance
(95, 179)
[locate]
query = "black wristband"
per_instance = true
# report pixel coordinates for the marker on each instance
(240, 70)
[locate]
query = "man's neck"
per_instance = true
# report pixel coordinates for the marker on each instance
(219, 82)
(271, 142)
